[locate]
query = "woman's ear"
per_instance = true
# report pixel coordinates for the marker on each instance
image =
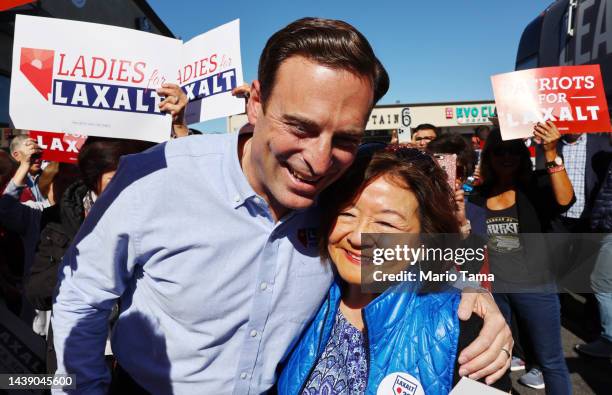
(254, 105)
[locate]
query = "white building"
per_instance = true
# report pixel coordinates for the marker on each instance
(454, 117)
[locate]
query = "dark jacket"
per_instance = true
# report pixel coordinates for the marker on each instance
(535, 200)
(598, 159)
(536, 209)
(60, 224)
(601, 216)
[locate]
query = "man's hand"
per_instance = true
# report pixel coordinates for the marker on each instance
(28, 149)
(491, 353)
(174, 103)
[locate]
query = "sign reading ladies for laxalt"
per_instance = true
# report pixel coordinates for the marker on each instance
(101, 80)
(211, 67)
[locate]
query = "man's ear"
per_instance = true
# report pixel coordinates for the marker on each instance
(254, 105)
(16, 155)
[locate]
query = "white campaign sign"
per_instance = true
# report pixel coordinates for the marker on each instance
(90, 78)
(101, 80)
(467, 386)
(211, 67)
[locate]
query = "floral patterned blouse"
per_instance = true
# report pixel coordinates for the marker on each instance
(342, 368)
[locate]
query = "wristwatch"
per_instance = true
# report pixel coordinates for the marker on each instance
(558, 161)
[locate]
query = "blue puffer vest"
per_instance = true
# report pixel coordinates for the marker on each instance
(405, 332)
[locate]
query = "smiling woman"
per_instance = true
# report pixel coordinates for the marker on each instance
(360, 342)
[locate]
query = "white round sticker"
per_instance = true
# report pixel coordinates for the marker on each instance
(399, 383)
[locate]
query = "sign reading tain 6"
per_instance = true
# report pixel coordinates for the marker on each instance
(474, 114)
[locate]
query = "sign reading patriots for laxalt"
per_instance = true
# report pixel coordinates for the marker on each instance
(101, 80)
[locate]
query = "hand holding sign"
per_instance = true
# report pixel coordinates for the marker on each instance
(102, 80)
(29, 151)
(547, 134)
(174, 103)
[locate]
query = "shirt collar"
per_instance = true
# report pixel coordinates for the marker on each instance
(32, 178)
(579, 141)
(238, 188)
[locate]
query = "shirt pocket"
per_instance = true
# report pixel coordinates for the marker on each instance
(310, 282)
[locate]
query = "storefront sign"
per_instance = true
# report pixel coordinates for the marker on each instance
(474, 114)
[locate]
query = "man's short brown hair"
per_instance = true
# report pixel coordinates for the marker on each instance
(331, 43)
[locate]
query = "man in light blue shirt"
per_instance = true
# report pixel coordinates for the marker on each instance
(210, 241)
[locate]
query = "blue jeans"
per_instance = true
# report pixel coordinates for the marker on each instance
(601, 282)
(541, 314)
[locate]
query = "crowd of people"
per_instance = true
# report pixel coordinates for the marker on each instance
(232, 263)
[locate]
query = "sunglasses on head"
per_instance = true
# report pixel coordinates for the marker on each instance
(409, 154)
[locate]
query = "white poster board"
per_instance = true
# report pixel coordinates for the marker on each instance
(101, 80)
(90, 78)
(211, 67)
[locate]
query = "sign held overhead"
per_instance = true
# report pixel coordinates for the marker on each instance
(570, 96)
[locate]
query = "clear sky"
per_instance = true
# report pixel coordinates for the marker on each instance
(434, 51)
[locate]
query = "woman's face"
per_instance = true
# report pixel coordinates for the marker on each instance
(382, 207)
(506, 159)
(105, 178)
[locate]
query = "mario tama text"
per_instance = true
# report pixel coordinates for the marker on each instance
(431, 276)
(419, 258)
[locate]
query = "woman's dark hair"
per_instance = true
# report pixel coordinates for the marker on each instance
(452, 143)
(7, 169)
(331, 43)
(524, 171)
(408, 168)
(100, 155)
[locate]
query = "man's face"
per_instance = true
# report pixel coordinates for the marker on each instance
(571, 138)
(308, 134)
(35, 162)
(423, 137)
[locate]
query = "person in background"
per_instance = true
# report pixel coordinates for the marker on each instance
(586, 158)
(481, 133)
(451, 143)
(394, 137)
(11, 248)
(97, 162)
(514, 200)
(601, 277)
(25, 151)
(358, 339)
(468, 214)
(7, 169)
(423, 134)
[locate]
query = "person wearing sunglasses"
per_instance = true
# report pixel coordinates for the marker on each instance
(423, 134)
(402, 338)
(516, 205)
